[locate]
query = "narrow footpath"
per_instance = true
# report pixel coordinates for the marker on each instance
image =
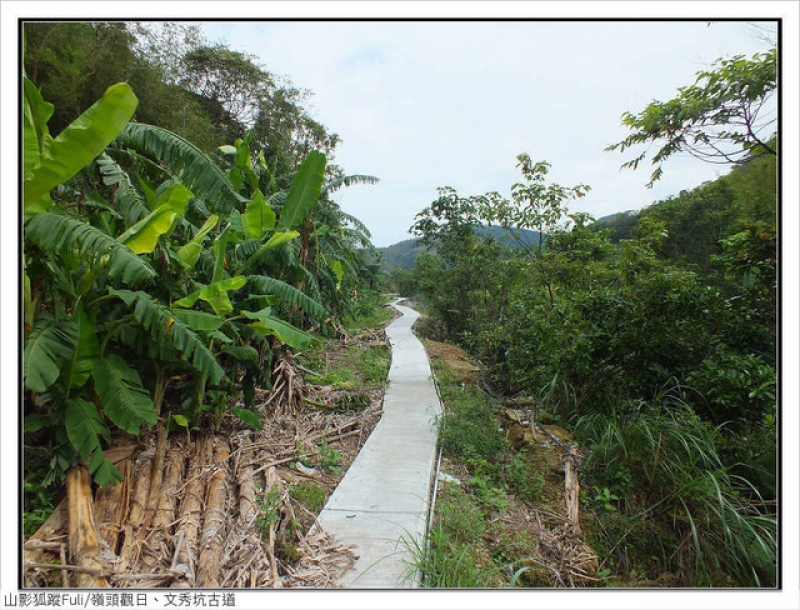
(380, 507)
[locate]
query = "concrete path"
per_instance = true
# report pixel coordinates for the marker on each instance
(381, 505)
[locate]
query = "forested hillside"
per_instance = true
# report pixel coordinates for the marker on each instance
(403, 254)
(652, 335)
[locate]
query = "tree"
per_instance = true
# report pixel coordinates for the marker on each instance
(723, 118)
(228, 78)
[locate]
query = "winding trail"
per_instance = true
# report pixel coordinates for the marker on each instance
(380, 507)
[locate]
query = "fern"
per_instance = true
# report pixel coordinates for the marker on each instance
(198, 172)
(288, 294)
(60, 234)
(163, 326)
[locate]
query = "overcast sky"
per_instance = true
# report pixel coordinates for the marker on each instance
(427, 104)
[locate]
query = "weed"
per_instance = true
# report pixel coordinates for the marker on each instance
(341, 378)
(460, 514)
(369, 312)
(607, 500)
(311, 495)
(330, 458)
(483, 485)
(719, 532)
(269, 506)
(468, 424)
(39, 499)
(451, 564)
(523, 479)
(374, 363)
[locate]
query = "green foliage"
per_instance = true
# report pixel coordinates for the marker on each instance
(523, 477)
(673, 475)
(596, 330)
(125, 400)
(483, 482)
(468, 427)
(311, 495)
(445, 563)
(163, 327)
(102, 339)
(270, 506)
(375, 364)
(47, 348)
(62, 157)
(716, 118)
(340, 378)
(305, 190)
(74, 238)
(188, 163)
(290, 295)
(370, 312)
(733, 386)
(330, 460)
(460, 515)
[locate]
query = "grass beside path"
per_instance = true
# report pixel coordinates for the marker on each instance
(499, 506)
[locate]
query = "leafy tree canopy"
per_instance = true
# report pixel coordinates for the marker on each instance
(723, 117)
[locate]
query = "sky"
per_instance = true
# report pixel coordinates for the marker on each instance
(422, 105)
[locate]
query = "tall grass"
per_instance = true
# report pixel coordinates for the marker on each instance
(449, 563)
(662, 459)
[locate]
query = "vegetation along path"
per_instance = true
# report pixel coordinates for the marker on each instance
(381, 505)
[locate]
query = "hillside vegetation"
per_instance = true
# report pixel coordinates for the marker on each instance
(651, 336)
(404, 254)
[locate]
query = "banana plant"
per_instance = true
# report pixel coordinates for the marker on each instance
(103, 339)
(65, 257)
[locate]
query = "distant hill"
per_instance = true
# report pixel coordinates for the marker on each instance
(404, 253)
(621, 224)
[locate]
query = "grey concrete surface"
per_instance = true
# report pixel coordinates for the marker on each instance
(380, 507)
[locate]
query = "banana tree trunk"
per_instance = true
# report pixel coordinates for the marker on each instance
(84, 547)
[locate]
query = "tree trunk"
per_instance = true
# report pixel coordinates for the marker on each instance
(572, 490)
(214, 520)
(190, 512)
(84, 546)
(111, 507)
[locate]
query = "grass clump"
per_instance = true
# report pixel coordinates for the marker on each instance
(468, 426)
(374, 363)
(370, 312)
(340, 378)
(309, 494)
(684, 513)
